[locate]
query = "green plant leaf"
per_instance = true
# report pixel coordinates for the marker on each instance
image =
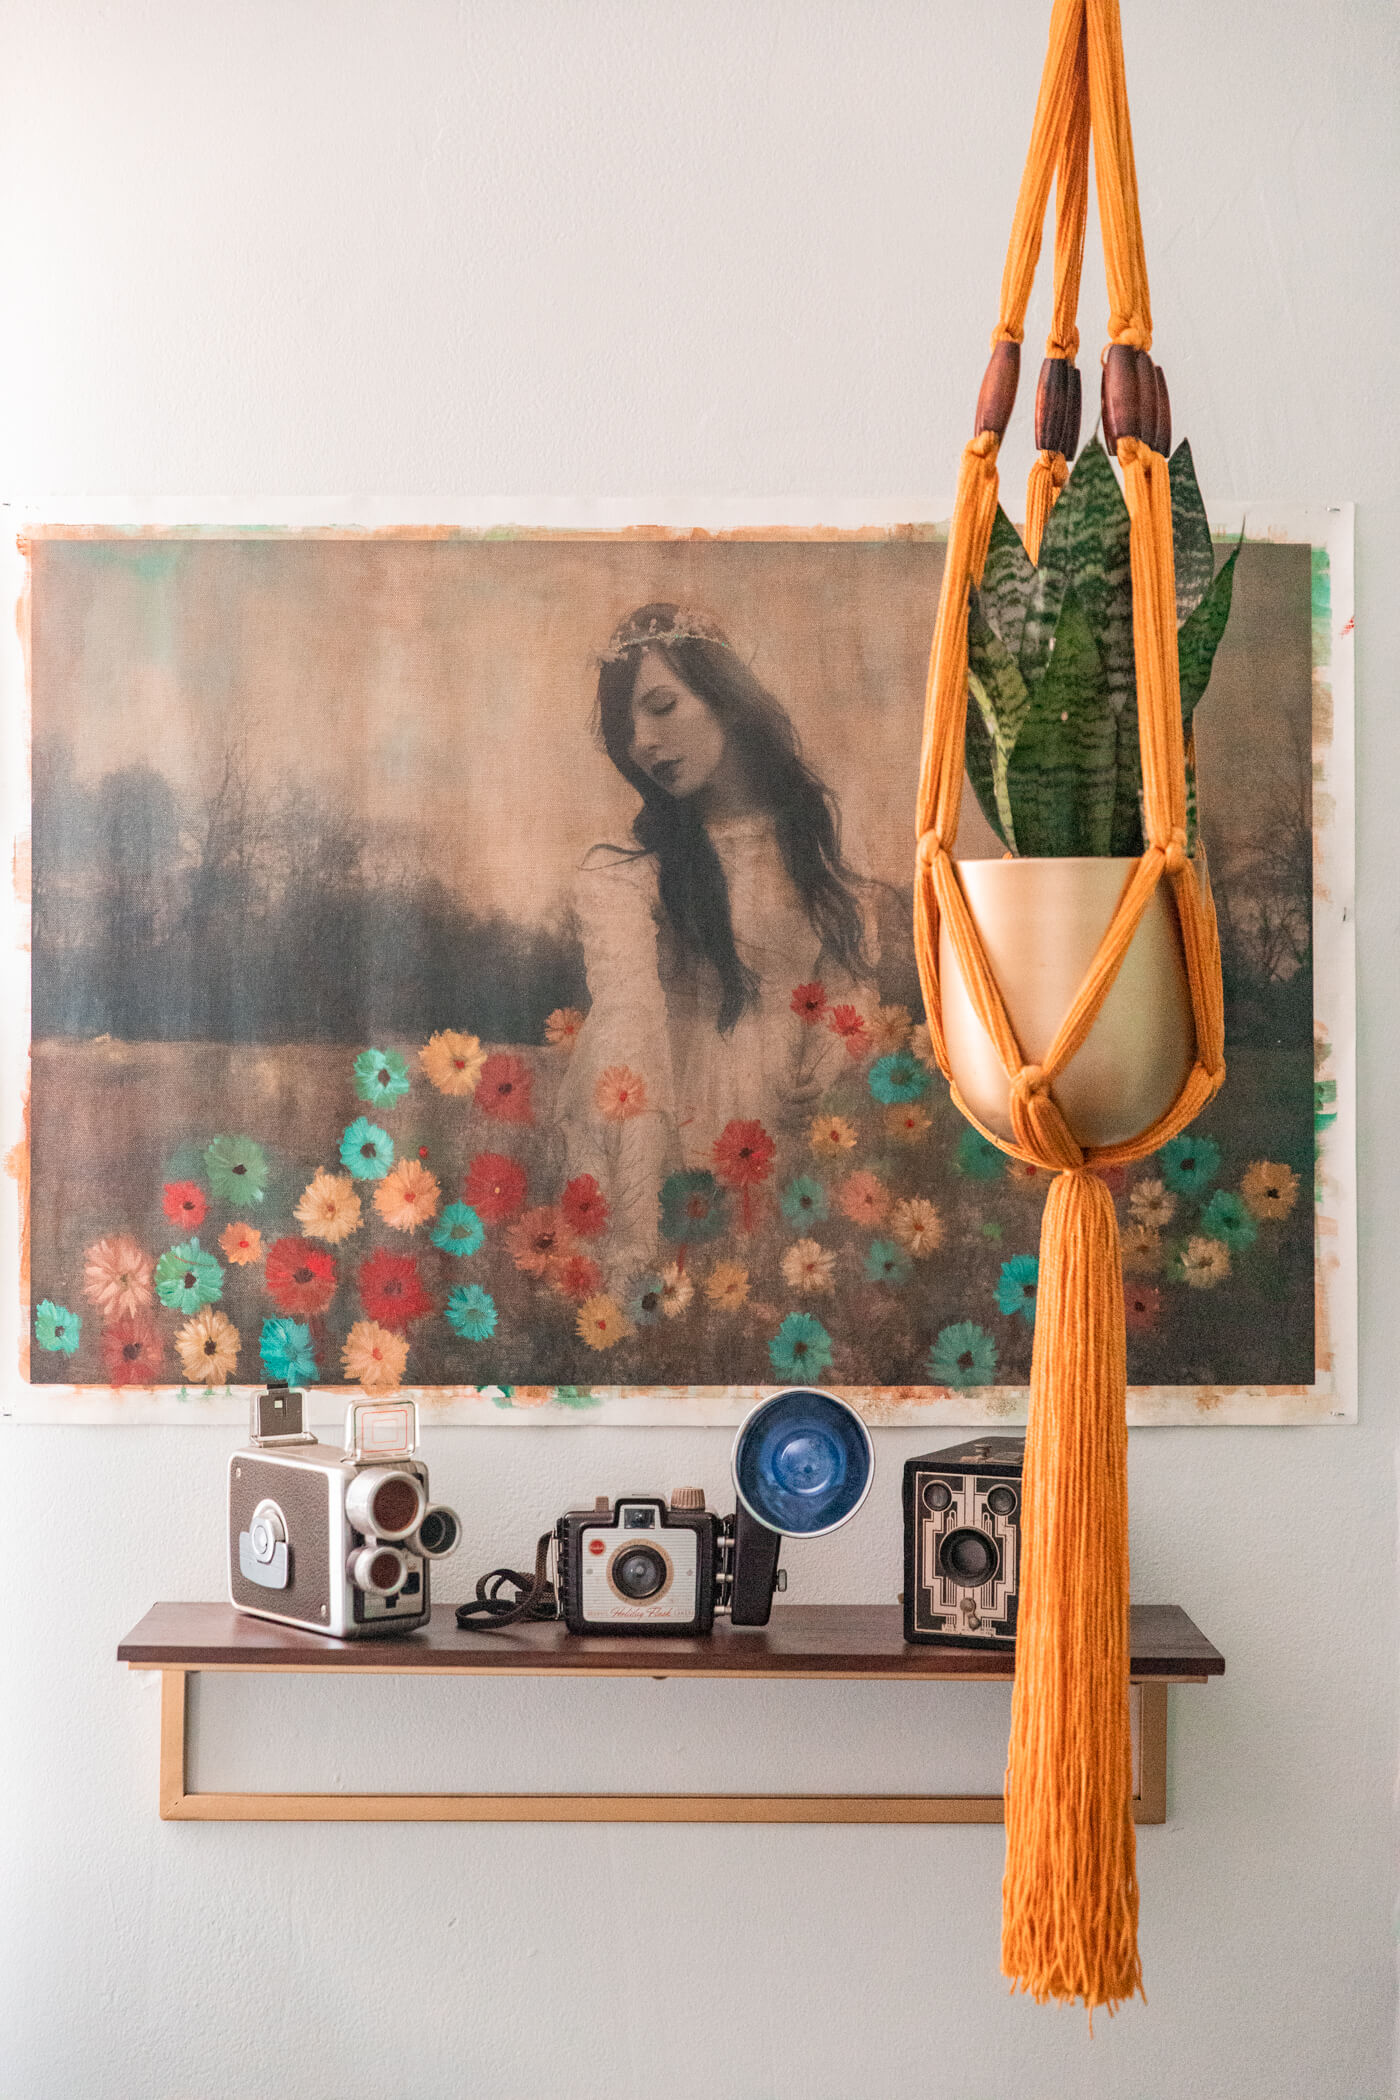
(1008, 582)
(998, 693)
(979, 757)
(1060, 776)
(1125, 835)
(1086, 544)
(1199, 638)
(1192, 551)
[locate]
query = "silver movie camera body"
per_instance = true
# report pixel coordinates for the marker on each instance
(339, 1542)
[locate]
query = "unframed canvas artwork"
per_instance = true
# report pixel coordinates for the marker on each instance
(483, 962)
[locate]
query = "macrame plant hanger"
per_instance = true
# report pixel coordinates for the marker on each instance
(1070, 1896)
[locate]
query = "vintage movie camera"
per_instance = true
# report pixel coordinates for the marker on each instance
(339, 1542)
(962, 1544)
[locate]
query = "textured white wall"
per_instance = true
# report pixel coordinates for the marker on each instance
(264, 254)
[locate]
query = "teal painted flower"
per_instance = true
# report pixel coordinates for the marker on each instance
(887, 1262)
(645, 1300)
(458, 1231)
(963, 1355)
(285, 1347)
(56, 1329)
(237, 1169)
(1229, 1218)
(366, 1150)
(1016, 1286)
(801, 1348)
(979, 1158)
(471, 1312)
(693, 1207)
(381, 1077)
(1189, 1163)
(899, 1078)
(187, 1277)
(804, 1201)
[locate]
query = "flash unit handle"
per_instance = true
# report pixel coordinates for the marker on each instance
(755, 1577)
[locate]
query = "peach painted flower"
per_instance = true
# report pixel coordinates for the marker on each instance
(329, 1209)
(452, 1061)
(207, 1347)
(916, 1224)
(117, 1277)
(601, 1322)
(849, 1023)
(1142, 1249)
(677, 1290)
(1270, 1190)
(538, 1238)
(562, 1026)
(1204, 1262)
(243, 1243)
(831, 1136)
(1024, 1174)
(906, 1122)
(808, 1267)
(890, 1028)
(1151, 1203)
(619, 1094)
(727, 1285)
(864, 1198)
(373, 1357)
(921, 1043)
(408, 1196)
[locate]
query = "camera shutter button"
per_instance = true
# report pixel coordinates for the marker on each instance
(688, 1498)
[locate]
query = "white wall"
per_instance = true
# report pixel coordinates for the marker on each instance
(265, 253)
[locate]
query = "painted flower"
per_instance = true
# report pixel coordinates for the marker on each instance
(117, 1276)
(242, 1244)
(809, 1002)
(727, 1285)
(494, 1185)
(801, 1348)
(408, 1196)
(1202, 1262)
(1152, 1203)
(1142, 1304)
(890, 1029)
(301, 1277)
(963, 1355)
(187, 1277)
(458, 1231)
(899, 1077)
(503, 1091)
(864, 1198)
(585, 1207)
(381, 1077)
(538, 1238)
(1189, 1163)
(887, 1262)
(921, 1043)
(677, 1290)
(644, 1301)
(575, 1276)
(1024, 1174)
(620, 1094)
(694, 1207)
(1270, 1189)
(562, 1026)
(374, 1357)
(366, 1150)
(804, 1201)
(916, 1224)
(1016, 1286)
(329, 1207)
(830, 1136)
(1229, 1218)
(184, 1202)
(471, 1312)
(809, 1267)
(391, 1289)
(132, 1350)
(452, 1061)
(601, 1322)
(1142, 1250)
(237, 1170)
(743, 1154)
(56, 1329)
(286, 1352)
(1114, 1178)
(848, 1022)
(207, 1347)
(978, 1157)
(906, 1122)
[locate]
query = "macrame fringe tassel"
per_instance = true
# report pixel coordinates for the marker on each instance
(1070, 1896)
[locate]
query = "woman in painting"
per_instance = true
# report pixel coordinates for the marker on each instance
(697, 935)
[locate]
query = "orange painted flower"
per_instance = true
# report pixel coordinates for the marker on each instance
(373, 1357)
(562, 1026)
(831, 1136)
(207, 1347)
(906, 1122)
(727, 1285)
(117, 1277)
(620, 1093)
(503, 1089)
(1270, 1190)
(1141, 1247)
(601, 1322)
(243, 1243)
(408, 1196)
(916, 1224)
(184, 1203)
(890, 1028)
(809, 1002)
(329, 1209)
(849, 1023)
(539, 1238)
(808, 1266)
(864, 1198)
(575, 1276)
(452, 1061)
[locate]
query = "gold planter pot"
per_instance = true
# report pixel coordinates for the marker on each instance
(1041, 922)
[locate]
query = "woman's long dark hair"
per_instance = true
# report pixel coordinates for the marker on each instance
(694, 892)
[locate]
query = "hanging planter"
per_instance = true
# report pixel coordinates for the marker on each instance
(1073, 990)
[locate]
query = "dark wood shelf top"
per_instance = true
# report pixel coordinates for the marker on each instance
(801, 1640)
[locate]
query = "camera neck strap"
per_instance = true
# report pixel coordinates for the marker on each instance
(492, 1609)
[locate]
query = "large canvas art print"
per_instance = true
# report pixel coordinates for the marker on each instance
(482, 962)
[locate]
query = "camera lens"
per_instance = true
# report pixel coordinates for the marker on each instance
(439, 1531)
(969, 1558)
(937, 1495)
(1001, 1501)
(385, 1502)
(639, 1572)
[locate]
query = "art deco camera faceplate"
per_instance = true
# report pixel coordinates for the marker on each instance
(962, 1544)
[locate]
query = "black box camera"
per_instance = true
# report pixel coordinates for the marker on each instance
(962, 1543)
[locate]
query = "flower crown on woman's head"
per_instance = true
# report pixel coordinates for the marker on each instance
(655, 625)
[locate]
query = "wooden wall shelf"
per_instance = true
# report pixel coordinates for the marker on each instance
(814, 1642)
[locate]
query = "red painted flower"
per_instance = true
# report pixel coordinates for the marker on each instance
(584, 1206)
(300, 1276)
(391, 1290)
(503, 1090)
(132, 1350)
(809, 1000)
(184, 1202)
(1114, 1179)
(576, 1276)
(538, 1239)
(743, 1154)
(494, 1185)
(1142, 1302)
(849, 1023)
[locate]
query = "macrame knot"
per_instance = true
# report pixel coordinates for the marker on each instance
(929, 847)
(1030, 1083)
(1174, 852)
(1056, 466)
(1129, 330)
(983, 446)
(1066, 345)
(1007, 332)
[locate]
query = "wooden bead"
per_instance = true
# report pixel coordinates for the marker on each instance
(1146, 396)
(1162, 442)
(1120, 395)
(1052, 402)
(998, 395)
(1074, 413)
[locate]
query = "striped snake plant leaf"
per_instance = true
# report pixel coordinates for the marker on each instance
(1191, 543)
(1060, 779)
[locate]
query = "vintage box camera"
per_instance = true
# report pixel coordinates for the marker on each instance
(337, 1541)
(962, 1543)
(639, 1565)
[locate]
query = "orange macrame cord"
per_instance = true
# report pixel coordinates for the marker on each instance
(1070, 1895)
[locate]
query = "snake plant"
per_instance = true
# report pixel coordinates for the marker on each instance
(1052, 726)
